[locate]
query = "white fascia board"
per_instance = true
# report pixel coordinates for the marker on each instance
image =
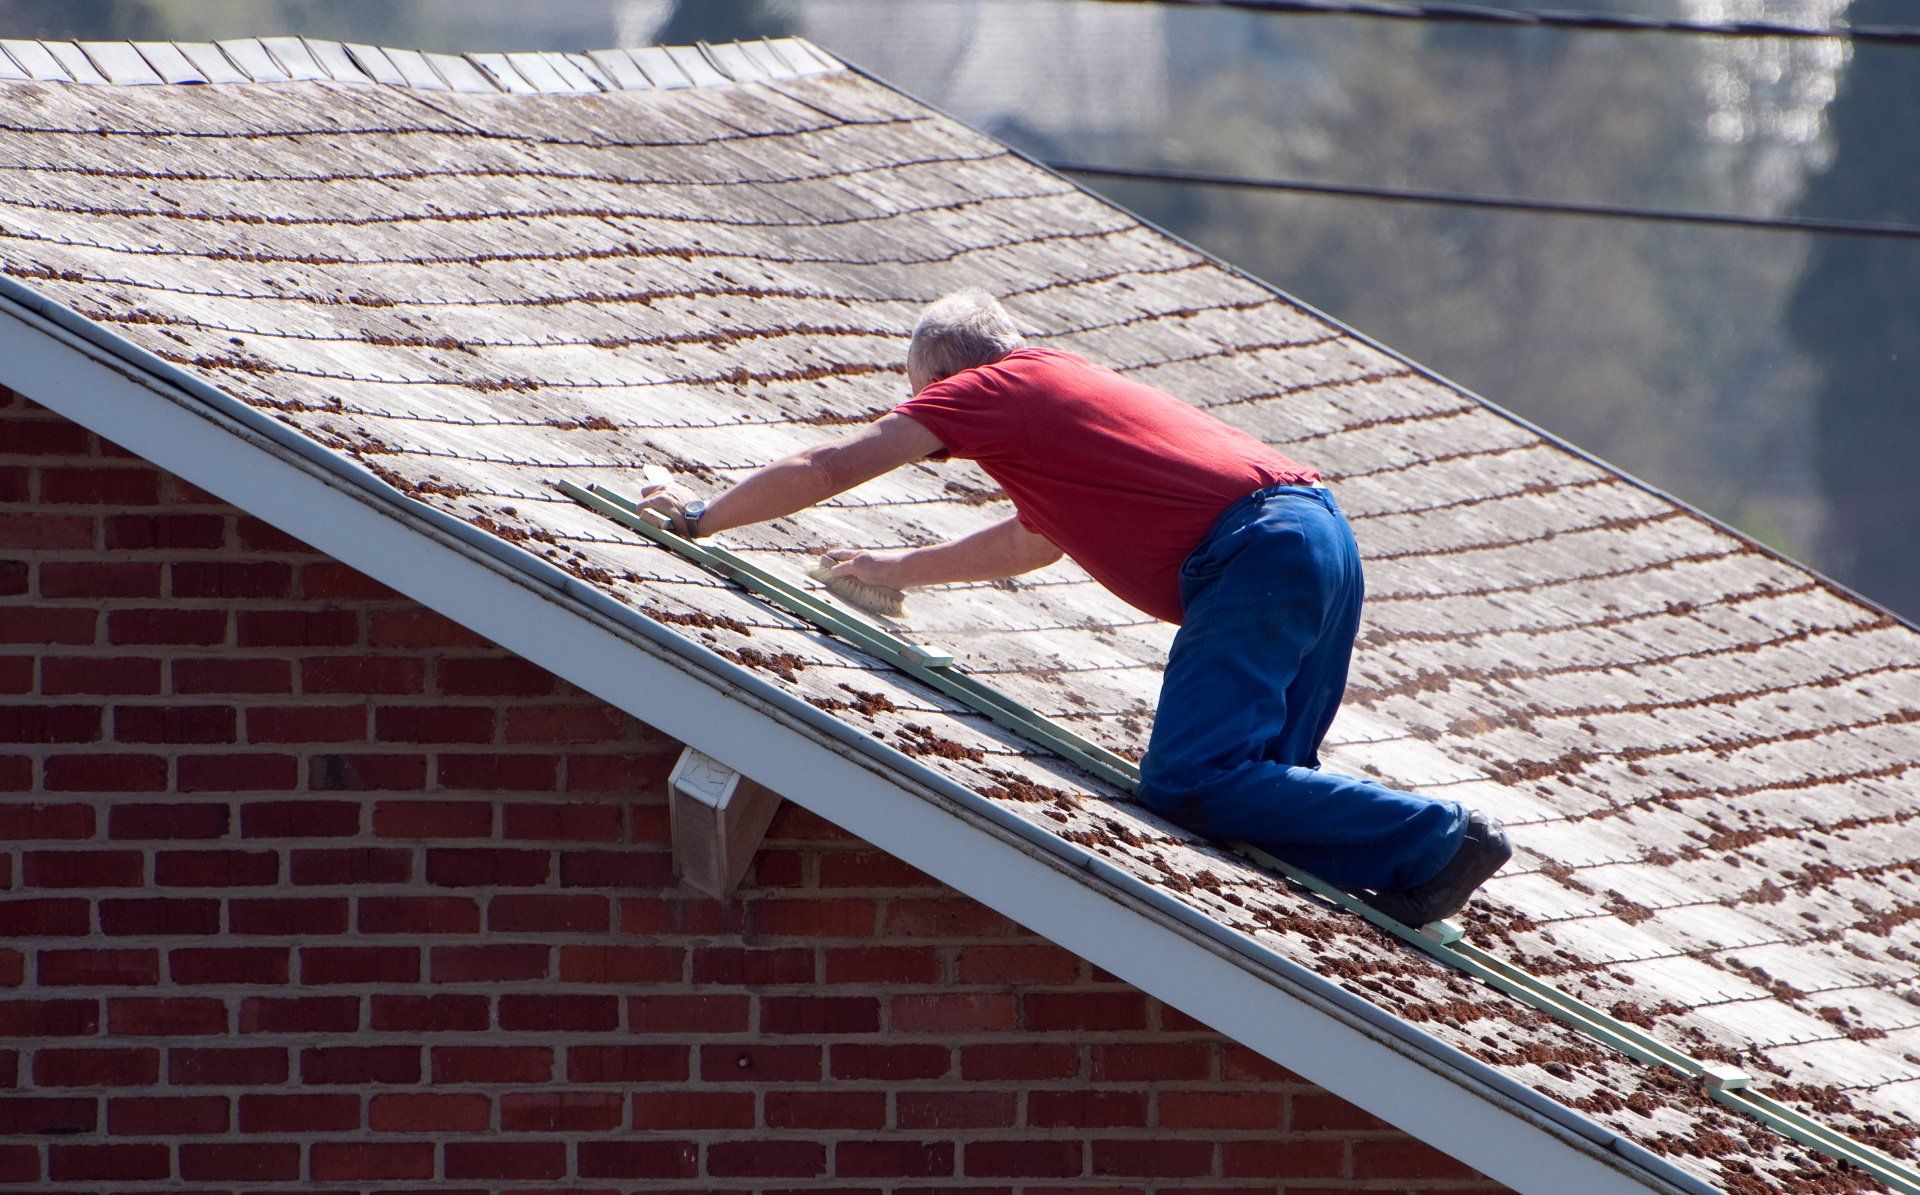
(1274, 1006)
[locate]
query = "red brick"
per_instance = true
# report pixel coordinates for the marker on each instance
(966, 1012)
(260, 536)
(284, 916)
(98, 579)
(499, 773)
(1159, 1158)
(24, 821)
(170, 625)
(883, 965)
(350, 865)
(628, 1064)
(966, 1109)
(890, 1159)
(548, 914)
(16, 482)
(83, 869)
(559, 1013)
(44, 531)
(360, 1064)
(16, 672)
(1402, 1157)
(1249, 1110)
(263, 1161)
(623, 774)
(300, 1014)
(307, 724)
(493, 676)
(409, 1112)
(433, 724)
(45, 437)
(164, 532)
(767, 1158)
(531, 1159)
(699, 916)
(166, 1116)
(617, 869)
(215, 869)
(487, 867)
(13, 970)
(1022, 1159)
(49, 1018)
(359, 964)
(1047, 1012)
(96, 1067)
(811, 1108)
(639, 1159)
(238, 773)
(779, 869)
(944, 917)
(869, 869)
(753, 1063)
(621, 964)
(835, 1015)
(687, 1109)
(433, 819)
(363, 674)
(35, 917)
(493, 963)
(16, 774)
(561, 1111)
(266, 1113)
(1128, 1061)
(705, 1013)
(367, 773)
(228, 964)
(114, 1163)
(891, 1060)
(1087, 1109)
(48, 1114)
(165, 1016)
(1240, 1064)
(429, 1014)
(1293, 1160)
(106, 773)
(579, 821)
(245, 1066)
(100, 675)
(136, 967)
(328, 580)
(296, 628)
(238, 674)
(92, 485)
(750, 965)
(50, 724)
(1038, 964)
(594, 723)
(160, 915)
(364, 1161)
(232, 579)
(803, 917)
(1020, 1060)
(493, 1064)
(175, 723)
(419, 915)
(168, 819)
(305, 817)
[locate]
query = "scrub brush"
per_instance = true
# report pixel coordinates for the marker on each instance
(876, 599)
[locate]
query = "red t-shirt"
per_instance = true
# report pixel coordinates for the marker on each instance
(1124, 478)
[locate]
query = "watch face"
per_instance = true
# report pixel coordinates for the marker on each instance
(695, 508)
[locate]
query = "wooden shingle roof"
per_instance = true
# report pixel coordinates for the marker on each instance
(477, 276)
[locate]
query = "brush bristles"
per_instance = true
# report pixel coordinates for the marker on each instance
(876, 599)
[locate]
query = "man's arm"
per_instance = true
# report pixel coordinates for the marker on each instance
(1005, 549)
(809, 476)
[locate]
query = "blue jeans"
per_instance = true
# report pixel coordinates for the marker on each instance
(1272, 598)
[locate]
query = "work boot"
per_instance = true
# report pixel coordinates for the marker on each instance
(1484, 849)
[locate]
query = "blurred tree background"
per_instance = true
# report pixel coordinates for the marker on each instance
(1764, 377)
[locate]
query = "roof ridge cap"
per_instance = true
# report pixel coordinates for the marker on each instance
(289, 59)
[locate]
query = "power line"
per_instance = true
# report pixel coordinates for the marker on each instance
(1603, 211)
(1523, 18)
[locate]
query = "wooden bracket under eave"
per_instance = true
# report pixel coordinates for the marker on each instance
(719, 820)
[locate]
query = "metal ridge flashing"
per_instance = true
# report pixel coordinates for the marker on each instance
(1572, 1128)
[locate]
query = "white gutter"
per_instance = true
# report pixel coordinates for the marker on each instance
(1226, 979)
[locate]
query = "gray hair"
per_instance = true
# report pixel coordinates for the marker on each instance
(959, 331)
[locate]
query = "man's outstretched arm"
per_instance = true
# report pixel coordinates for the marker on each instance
(809, 476)
(1004, 549)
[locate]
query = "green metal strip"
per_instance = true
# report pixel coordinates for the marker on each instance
(1727, 1085)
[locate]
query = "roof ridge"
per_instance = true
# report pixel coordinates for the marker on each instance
(298, 59)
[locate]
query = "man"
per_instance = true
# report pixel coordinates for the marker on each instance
(1189, 520)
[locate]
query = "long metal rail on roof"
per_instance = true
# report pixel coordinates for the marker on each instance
(1442, 940)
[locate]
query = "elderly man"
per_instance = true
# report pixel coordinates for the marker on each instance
(1189, 520)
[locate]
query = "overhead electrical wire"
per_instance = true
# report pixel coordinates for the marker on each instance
(1602, 211)
(1525, 18)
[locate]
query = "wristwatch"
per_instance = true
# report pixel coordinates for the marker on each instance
(690, 515)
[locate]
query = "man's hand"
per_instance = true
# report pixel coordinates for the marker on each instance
(670, 500)
(875, 568)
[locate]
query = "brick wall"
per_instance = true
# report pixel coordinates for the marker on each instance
(301, 883)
